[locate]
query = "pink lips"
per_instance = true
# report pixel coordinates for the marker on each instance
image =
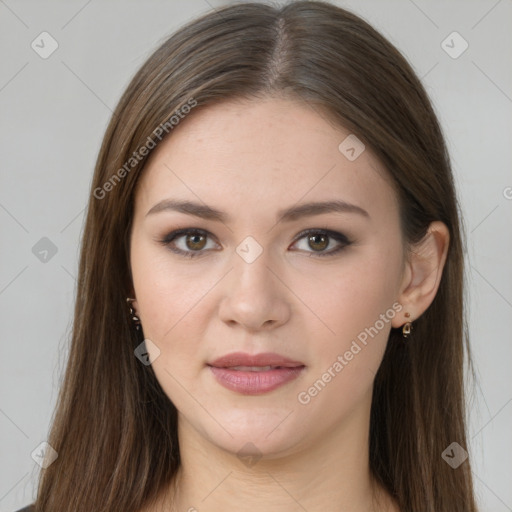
(254, 374)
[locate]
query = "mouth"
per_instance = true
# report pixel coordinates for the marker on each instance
(254, 368)
(254, 374)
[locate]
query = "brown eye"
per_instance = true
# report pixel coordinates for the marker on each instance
(318, 242)
(195, 241)
(321, 242)
(190, 242)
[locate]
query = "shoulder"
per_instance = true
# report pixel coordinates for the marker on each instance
(30, 508)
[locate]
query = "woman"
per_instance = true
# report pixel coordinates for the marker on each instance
(270, 302)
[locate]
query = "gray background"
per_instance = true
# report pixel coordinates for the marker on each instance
(53, 115)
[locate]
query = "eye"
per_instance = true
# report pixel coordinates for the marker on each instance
(194, 242)
(319, 240)
(189, 242)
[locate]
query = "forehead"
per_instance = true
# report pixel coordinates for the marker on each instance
(263, 153)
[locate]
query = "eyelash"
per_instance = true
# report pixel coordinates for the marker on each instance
(339, 237)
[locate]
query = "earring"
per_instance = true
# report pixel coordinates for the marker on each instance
(406, 329)
(133, 316)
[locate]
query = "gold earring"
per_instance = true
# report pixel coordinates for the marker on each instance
(406, 329)
(133, 316)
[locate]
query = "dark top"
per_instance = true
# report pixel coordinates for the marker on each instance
(30, 508)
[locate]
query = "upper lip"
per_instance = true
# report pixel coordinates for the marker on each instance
(263, 359)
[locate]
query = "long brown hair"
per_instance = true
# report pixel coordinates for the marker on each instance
(114, 428)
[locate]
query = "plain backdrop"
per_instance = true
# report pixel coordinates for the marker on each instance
(54, 111)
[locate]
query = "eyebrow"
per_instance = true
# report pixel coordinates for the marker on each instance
(286, 215)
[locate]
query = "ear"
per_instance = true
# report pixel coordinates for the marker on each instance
(134, 303)
(422, 274)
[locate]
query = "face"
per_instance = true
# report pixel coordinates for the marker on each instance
(227, 259)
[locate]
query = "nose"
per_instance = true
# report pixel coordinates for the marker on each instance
(254, 296)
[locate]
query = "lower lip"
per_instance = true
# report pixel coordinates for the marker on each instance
(255, 383)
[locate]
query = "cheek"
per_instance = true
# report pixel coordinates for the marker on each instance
(171, 302)
(355, 301)
(352, 294)
(173, 316)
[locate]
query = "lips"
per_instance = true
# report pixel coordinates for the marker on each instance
(240, 359)
(254, 374)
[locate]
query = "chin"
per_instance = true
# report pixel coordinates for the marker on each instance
(260, 431)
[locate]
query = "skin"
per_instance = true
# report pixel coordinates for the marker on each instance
(250, 160)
